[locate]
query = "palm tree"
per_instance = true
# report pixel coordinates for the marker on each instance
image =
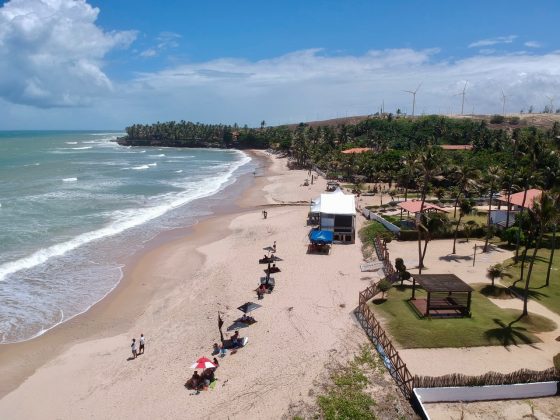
(429, 166)
(552, 248)
(493, 176)
(496, 270)
(465, 207)
(466, 178)
(545, 212)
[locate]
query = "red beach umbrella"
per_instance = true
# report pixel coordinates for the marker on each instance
(203, 363)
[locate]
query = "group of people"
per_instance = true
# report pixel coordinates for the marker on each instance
(201, 382)
(136, 351)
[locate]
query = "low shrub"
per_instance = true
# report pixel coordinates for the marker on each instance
(556, 361)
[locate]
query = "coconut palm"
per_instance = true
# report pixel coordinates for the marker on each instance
(465, 207)
(429, 167)
(493, 175)
(466, 179)
(544, 212)
(496, 270)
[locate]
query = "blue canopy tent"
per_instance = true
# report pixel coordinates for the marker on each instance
(321, 237)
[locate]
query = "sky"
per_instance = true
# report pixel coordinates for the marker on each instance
(96, 64)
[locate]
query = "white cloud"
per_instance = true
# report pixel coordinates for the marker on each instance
(309, 84)
(150, 52)
(493, 41)
(302, 85)
(51, 52)
(164, 41)
(532, 44)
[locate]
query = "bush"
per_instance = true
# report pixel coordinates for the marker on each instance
(514, 120)
(384, 286)
(510, 235)
(497, 119)
(556, 361)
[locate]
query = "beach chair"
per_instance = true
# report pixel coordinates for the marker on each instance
(371, 266)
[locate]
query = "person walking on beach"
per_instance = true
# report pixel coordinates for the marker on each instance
(142, 342)
(274, 247)
(133, 348)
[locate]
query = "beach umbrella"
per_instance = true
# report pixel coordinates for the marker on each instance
(248, 307)
(203, 363)
(237, 325)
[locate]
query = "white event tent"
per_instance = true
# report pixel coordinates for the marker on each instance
(337, 213)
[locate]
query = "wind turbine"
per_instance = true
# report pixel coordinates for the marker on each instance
(462, 93)
(504, 103)
(413, 92)
(551, 99)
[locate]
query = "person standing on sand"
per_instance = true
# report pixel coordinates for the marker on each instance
(142, 342)
(274, 247)
(133, 348)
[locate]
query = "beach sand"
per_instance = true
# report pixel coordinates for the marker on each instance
(172, 293)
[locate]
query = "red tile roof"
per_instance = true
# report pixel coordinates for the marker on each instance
(517, 198)
(414, 206)
(457, 146)
(357, 150)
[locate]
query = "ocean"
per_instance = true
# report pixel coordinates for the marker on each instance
(74, 205)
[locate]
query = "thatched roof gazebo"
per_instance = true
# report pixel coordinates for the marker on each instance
(447, 296)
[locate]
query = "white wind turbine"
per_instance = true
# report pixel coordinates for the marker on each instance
(504, 103)
(551, 99)
(413, 92)
(462, 93)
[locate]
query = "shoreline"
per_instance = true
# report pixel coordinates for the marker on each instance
(106, 316)
(176, 291)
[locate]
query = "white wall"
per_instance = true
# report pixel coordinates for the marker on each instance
(485, 393)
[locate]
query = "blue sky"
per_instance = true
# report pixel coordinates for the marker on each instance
(106, 64)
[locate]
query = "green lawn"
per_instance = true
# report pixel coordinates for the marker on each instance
(548, 296)
(486, 327)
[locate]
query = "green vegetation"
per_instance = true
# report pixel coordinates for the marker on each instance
(487, 326)
(346, 396)
(371, 230)
(548, 296)
(556, 361)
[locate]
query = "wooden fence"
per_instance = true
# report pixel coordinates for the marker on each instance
(383, 255)
(397, 368)
(407, 382)
(521, 376)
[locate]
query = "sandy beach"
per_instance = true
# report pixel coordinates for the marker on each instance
(172, 293)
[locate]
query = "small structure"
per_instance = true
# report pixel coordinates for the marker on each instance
(414, 206)
(332, 186)
(320, 241)
(499, 216)
(357, 150)
(457, 146)
(337, 213)
(447, 296)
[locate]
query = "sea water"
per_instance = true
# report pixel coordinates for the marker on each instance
(73, 205)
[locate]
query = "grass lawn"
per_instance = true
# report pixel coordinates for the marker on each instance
(480, 219)
(486, 327)
(548, 296)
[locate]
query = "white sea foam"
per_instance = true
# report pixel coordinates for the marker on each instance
(139, 168)
(32, 164)
(69, 179)
(177, 172)
(71, 142)
(81, 148)
(152, 164)
(124, 220)
(160, 155)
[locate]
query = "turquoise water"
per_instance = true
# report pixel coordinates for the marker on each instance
(73, 204)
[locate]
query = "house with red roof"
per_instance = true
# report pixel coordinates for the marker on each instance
(516, 204)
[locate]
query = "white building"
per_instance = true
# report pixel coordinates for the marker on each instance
(337, 213)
